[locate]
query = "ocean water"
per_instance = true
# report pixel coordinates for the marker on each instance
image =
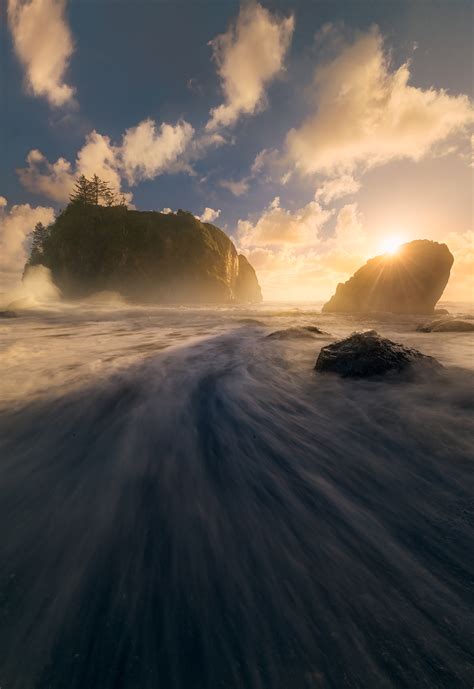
(186, 504)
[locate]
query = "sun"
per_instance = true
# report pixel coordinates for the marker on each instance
(391, 245)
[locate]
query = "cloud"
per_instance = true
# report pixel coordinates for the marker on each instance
(286, 274)
(248, 56)
(264, 160)
(461, 281)
(147, 151)
(15, 226)
(280, 227)
(56, 180)
(43, 44)
(144, 153)
(209, 215)
(367, 113)
(293, 259)
(333, 189)
(349, 231)
(238, 188)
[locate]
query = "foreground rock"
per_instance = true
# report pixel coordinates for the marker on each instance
(8, 314)
(144, 256)
(411, 281)
(367, 354)
(296, 333)
(448, 325)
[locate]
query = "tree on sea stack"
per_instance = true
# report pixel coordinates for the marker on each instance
(82, 192)
(95, 192)
(39, 235)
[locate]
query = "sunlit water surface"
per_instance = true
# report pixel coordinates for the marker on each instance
(186, 504)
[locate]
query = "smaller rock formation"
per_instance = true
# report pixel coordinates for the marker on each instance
(250, 321)
(8, 314)
(296, 333)
(411, 281)
(367, 354)
(447, 325)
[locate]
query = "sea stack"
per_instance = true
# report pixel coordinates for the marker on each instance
(144, 256)
(410, 281)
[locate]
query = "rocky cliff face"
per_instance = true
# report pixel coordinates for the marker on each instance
(247, 286)
(146, 256)
(411, 281)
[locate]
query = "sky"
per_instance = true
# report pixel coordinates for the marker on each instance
(315, 133)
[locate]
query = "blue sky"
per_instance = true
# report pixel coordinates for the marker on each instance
(131, 62)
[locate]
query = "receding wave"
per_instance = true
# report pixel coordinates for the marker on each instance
(220, 515)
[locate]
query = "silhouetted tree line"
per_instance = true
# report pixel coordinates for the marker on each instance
(95, 192)
(86, 194)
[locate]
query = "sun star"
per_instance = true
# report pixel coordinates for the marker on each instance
(391, 245)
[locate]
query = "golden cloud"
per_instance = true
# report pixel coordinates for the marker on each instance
(368, 114)
(248, 56)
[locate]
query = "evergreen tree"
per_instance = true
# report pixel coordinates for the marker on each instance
(95, 192)
(95, 188)
(38, 236)
(107, 195)
(82, 192)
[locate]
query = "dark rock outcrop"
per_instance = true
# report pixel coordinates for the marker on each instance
(411, 281)
(367, 354)
(250, 321)
(447, 325)
(296, 333)
(144, 256)
(8, 314)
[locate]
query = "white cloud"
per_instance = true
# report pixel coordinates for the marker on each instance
(248, 56)
(280, 227)
(263, 162)
(333, 189)
(238, 188)
(144, 153)
(99, 157)
(43, 44)
(147, 152)
(209, 215)
(56, 180)
(349, 232)
(368, 114)
(15, 226)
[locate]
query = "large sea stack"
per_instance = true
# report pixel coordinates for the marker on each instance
(145, 256)
(410, 281)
